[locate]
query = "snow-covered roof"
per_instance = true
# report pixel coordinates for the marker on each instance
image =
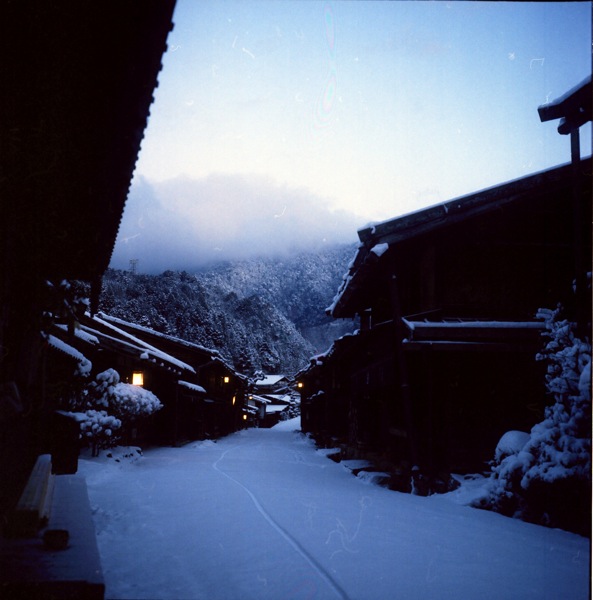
(260, 399)
(79, 417)
(380, 249)
(80, 334)
(573, 107)
(226, 365)
(192, 386)
(152, 332)
(319, 359)
(214, 355)
(269, 380)
(275, 408)
(84, 364)
(463, 331)
(473, 324)
(146, 351)
(374, 238)
(283, 398)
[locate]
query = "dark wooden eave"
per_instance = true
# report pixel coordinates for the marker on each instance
(574, 108)
(77, 81)
(526, 191)
(466, 207)
(473, 334)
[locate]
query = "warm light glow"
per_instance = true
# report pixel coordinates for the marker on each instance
(244, 417)
(300, 384)
(234, 400)
(137, 378)
(226, 379)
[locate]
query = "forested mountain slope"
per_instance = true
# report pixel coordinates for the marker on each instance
(261, 314)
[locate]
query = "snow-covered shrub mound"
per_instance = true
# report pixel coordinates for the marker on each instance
(107, 400)
(134, 401)
(99, 429)
(548, 480)
(512, 442)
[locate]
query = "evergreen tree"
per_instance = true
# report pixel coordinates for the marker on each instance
(548, 480)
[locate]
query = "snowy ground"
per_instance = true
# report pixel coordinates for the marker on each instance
(262, 514)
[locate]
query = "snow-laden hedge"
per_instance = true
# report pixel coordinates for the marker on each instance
(134, 401)
(545, 476)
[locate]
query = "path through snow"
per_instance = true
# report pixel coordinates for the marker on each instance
(262, 514)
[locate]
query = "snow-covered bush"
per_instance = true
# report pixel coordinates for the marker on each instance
(113, 407)
(512, 442)
(132, 401)
(548, 479)
(98, 428)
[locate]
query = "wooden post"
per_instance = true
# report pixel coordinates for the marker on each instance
(579, 261)
(401, 371)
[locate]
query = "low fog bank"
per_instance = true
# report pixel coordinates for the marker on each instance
(188, 224)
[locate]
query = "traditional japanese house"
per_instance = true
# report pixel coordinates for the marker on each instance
(255, 410)
(76, 84)
(110, 347)
(219, 410)
(444, 361)
(277, 391)
(270, 384)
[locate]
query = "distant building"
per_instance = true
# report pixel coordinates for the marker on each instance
(271, 383)
(275, 390)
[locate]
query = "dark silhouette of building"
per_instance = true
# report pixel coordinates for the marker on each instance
(76, 84)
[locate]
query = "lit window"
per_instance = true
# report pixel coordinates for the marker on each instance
(226, 379)
(137, 378)
(244, 417)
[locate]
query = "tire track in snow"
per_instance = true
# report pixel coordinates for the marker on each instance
(282, 532)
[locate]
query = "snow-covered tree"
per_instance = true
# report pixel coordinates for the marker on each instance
(64, 302)
(266, 313)
(547, 479)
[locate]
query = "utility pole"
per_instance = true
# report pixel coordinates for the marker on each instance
(133, 265)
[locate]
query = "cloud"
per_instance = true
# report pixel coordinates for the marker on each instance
(187, 223)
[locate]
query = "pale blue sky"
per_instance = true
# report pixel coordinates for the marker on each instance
(374, 108)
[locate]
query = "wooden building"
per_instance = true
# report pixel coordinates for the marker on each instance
(213, 412)
(280, 397)
(444, 361)
(109, 347)
(76, 84)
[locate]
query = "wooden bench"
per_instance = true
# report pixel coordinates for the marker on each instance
(34, 506)
(62, 560)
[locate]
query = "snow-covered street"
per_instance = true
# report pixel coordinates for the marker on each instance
(262, 514)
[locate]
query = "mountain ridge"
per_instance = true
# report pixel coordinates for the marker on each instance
(261, 314)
